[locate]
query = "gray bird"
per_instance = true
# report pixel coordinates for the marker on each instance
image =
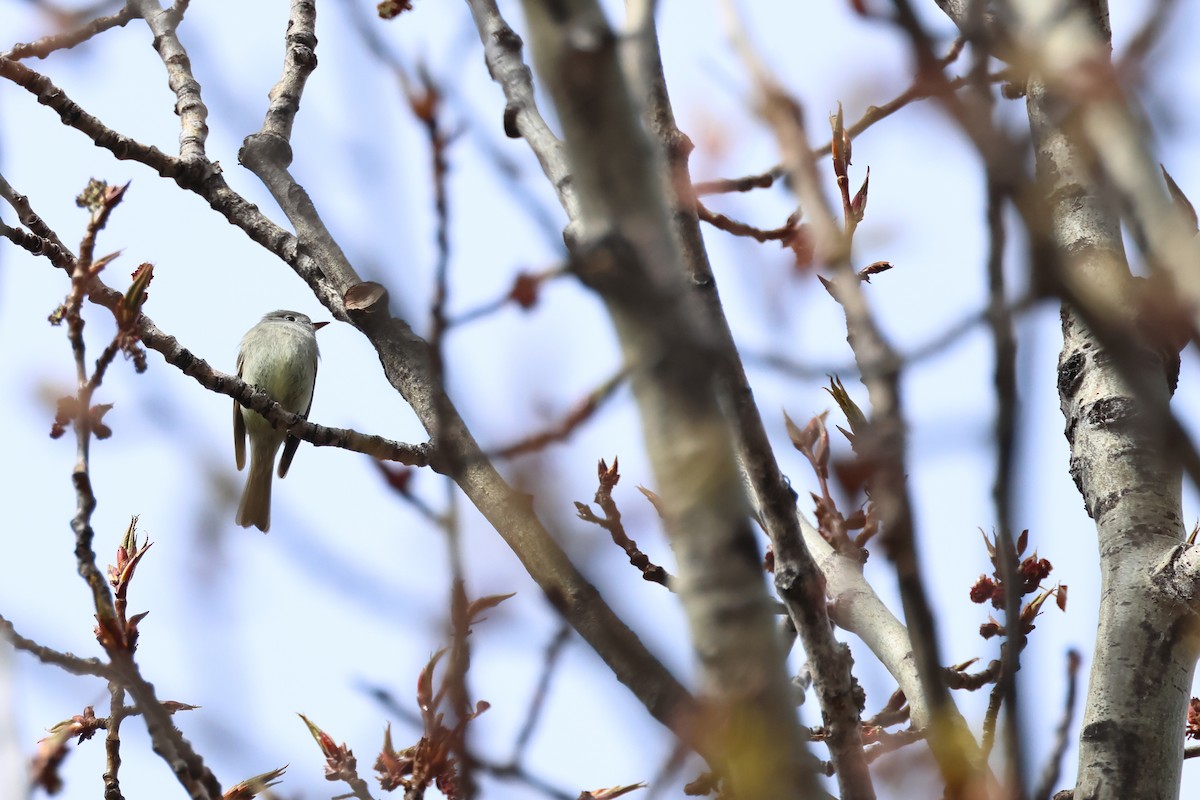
(278, 355)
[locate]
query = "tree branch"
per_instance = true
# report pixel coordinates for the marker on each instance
(798, 580)
(189, 106)
(502, 50)
(407, 364)
(65, 41)
(1121, 458)
(47, 655)
(626, 253)
(884, 441)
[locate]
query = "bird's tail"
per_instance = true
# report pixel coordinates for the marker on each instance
(255, 508)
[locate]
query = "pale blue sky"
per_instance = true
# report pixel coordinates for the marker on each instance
(350, 586)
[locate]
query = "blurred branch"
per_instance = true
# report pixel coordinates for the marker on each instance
(1004, 349)
(66, 40)
(919, 89)
(1062, 734)
(936, 345)
(407, 364)
(798, 581)
(732, 226)
(551, 658)
(1146, 37)
(625, 251)
(1078, 75)
(561, 430)
(425, 103)
(883, 443)
(524, 293)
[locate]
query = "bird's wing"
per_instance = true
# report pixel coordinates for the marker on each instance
(290, 445)
(239, 427)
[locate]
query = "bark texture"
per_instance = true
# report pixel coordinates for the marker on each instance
(623, 247)
(1114, 393)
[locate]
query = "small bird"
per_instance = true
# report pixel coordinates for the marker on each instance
(278, 355)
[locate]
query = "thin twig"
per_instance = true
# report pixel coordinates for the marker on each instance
(938, 344)
(68, 39)
(1051, 771)
(425, 102)
(48, 655)
(918, 90)
(524, 293)
(611, 522)
(562, 429)
(550, 662)
(509, 771)
(834, 679)
(737, 228)
(1005, 352)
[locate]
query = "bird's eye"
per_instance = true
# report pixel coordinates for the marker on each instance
(290, 318)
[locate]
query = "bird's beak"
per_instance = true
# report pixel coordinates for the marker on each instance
(318, 325)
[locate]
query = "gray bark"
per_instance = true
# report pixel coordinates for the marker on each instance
(1114, 394)
(624, 248)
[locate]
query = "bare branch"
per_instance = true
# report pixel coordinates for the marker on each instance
(1129, 375)
(255, 399)
(65, 41)
(189, 106)
(797, 579)
(920, 89)
(73, 116)
(1062, 734)
(112, 743)
(268, 153)
(47, 655)
(581, 412)
(502, 49)
(884, 442)
(626, 252)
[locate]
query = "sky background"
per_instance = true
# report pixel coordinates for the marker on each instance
(350, 588)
